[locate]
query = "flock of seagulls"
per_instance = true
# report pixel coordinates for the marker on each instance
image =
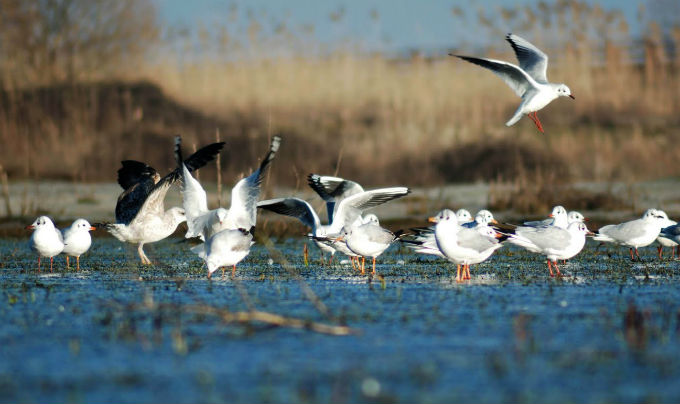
(225, 236)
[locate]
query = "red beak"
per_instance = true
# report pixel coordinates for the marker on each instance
(572, 97)
(30, 227)
(92, 228)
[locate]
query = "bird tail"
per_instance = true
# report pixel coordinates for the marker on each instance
(516, 117)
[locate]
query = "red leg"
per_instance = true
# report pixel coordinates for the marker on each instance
(38, 263)
(458, 278)
(223, 276)
(637, 254)
(659, 249)
(550, 268)
(233, 271)
(77, 263)
(538, 122)
(67, 263)
(51, 260)
(467, 271)
(632, 257)
(363, 265)
(373, 265)
(557, 270)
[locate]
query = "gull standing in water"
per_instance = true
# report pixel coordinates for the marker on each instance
(77, 240)
(368, 239)
(140, 214)
(635, 233)
(46, 239)
(463, 245)
(554, 242)
(662, 239)
(528, 80)
(231, 243)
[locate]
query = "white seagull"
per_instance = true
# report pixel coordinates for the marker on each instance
(231, 243)
(140, 214)
(635, 233)
(528, 80)
(46, 239)
(463, 245)
(662, 239)
(554, 242)
(368, 239)
(77, 240)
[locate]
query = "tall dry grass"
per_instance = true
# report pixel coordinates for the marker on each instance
(383, 118)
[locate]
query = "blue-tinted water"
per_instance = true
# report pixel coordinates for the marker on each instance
(119, 332)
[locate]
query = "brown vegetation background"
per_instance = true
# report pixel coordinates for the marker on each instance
(85, 84)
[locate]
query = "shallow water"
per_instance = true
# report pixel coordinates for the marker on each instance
(118, 332)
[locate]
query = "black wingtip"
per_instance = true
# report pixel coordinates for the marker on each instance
(178, 150)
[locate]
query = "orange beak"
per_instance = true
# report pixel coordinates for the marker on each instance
(432, 219)
(498, 235)
(30, 227)
(572, 97)
(551, 215)
(494, 221)
(92, 228)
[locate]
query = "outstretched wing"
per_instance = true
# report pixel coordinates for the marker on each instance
(149, 197)
(350, 208)
(133, 172)
(294, 207)
(333, 190)
(531, 59)
(244, 195)
(513, 76)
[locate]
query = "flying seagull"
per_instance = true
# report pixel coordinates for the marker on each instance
(528, 80)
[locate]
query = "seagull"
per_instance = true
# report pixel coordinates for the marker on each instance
(332, 190)
(554, 242)
(231, 243)
(46, 239)
(202, 222)
(670, 233)
(140, 214)
(666, 241)
(575, 217)
(368, 239)
(528, 80)
(77, 240)
(424, 241)
(635, 233)
(462, 245)
(349, 211)
(226, 248)
(558, 217)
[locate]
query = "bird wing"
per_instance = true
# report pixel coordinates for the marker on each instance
(133, 172)
(332, 190)
(471, 238)
(134, 199)
(531, 59)
(194, 198)
(539, 223)
(513, 76)
(294, 207)
(244, 195)
(545, 237)
(350, 208)
(624, 231)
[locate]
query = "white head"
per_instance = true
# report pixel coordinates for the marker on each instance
(441, 215)
(579, 228)
(654, 214)
(463, 216)
(558, 211)
(82, 225)
(43, 222)
(370, 218)
(221, 214)
(576, 217)
(484, 217)
(564, 91)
